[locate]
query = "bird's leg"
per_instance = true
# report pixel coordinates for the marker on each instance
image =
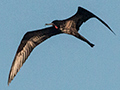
(76, 34)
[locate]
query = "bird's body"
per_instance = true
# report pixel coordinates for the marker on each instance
(32, 39)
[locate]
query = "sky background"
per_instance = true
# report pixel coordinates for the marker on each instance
(62, 62)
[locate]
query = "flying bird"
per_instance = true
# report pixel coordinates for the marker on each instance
(33, 38)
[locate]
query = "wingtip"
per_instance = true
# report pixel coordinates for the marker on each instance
(113, 32)
(9, 81)
(105, 24)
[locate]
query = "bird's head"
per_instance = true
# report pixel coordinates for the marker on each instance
(55, 23)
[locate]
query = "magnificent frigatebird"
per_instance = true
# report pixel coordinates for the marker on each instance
(32, 39)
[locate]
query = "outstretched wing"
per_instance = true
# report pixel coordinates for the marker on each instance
(28, 43)
(83, 15)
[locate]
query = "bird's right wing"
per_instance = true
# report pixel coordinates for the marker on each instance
(28, 43)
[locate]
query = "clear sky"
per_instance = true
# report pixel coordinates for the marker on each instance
(62, 62)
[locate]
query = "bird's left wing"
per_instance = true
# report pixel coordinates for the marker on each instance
(28, 43)
(85, 15)
(82, 15)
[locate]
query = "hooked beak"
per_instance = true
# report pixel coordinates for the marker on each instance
(49, 24)
(52, 24)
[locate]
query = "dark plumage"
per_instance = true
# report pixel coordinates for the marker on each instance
(34, 38)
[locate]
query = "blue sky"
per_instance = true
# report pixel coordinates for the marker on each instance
(62, 62)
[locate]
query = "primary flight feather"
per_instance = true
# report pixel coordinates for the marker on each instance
(32, 39)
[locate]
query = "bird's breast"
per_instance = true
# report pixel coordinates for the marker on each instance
(68, 27)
